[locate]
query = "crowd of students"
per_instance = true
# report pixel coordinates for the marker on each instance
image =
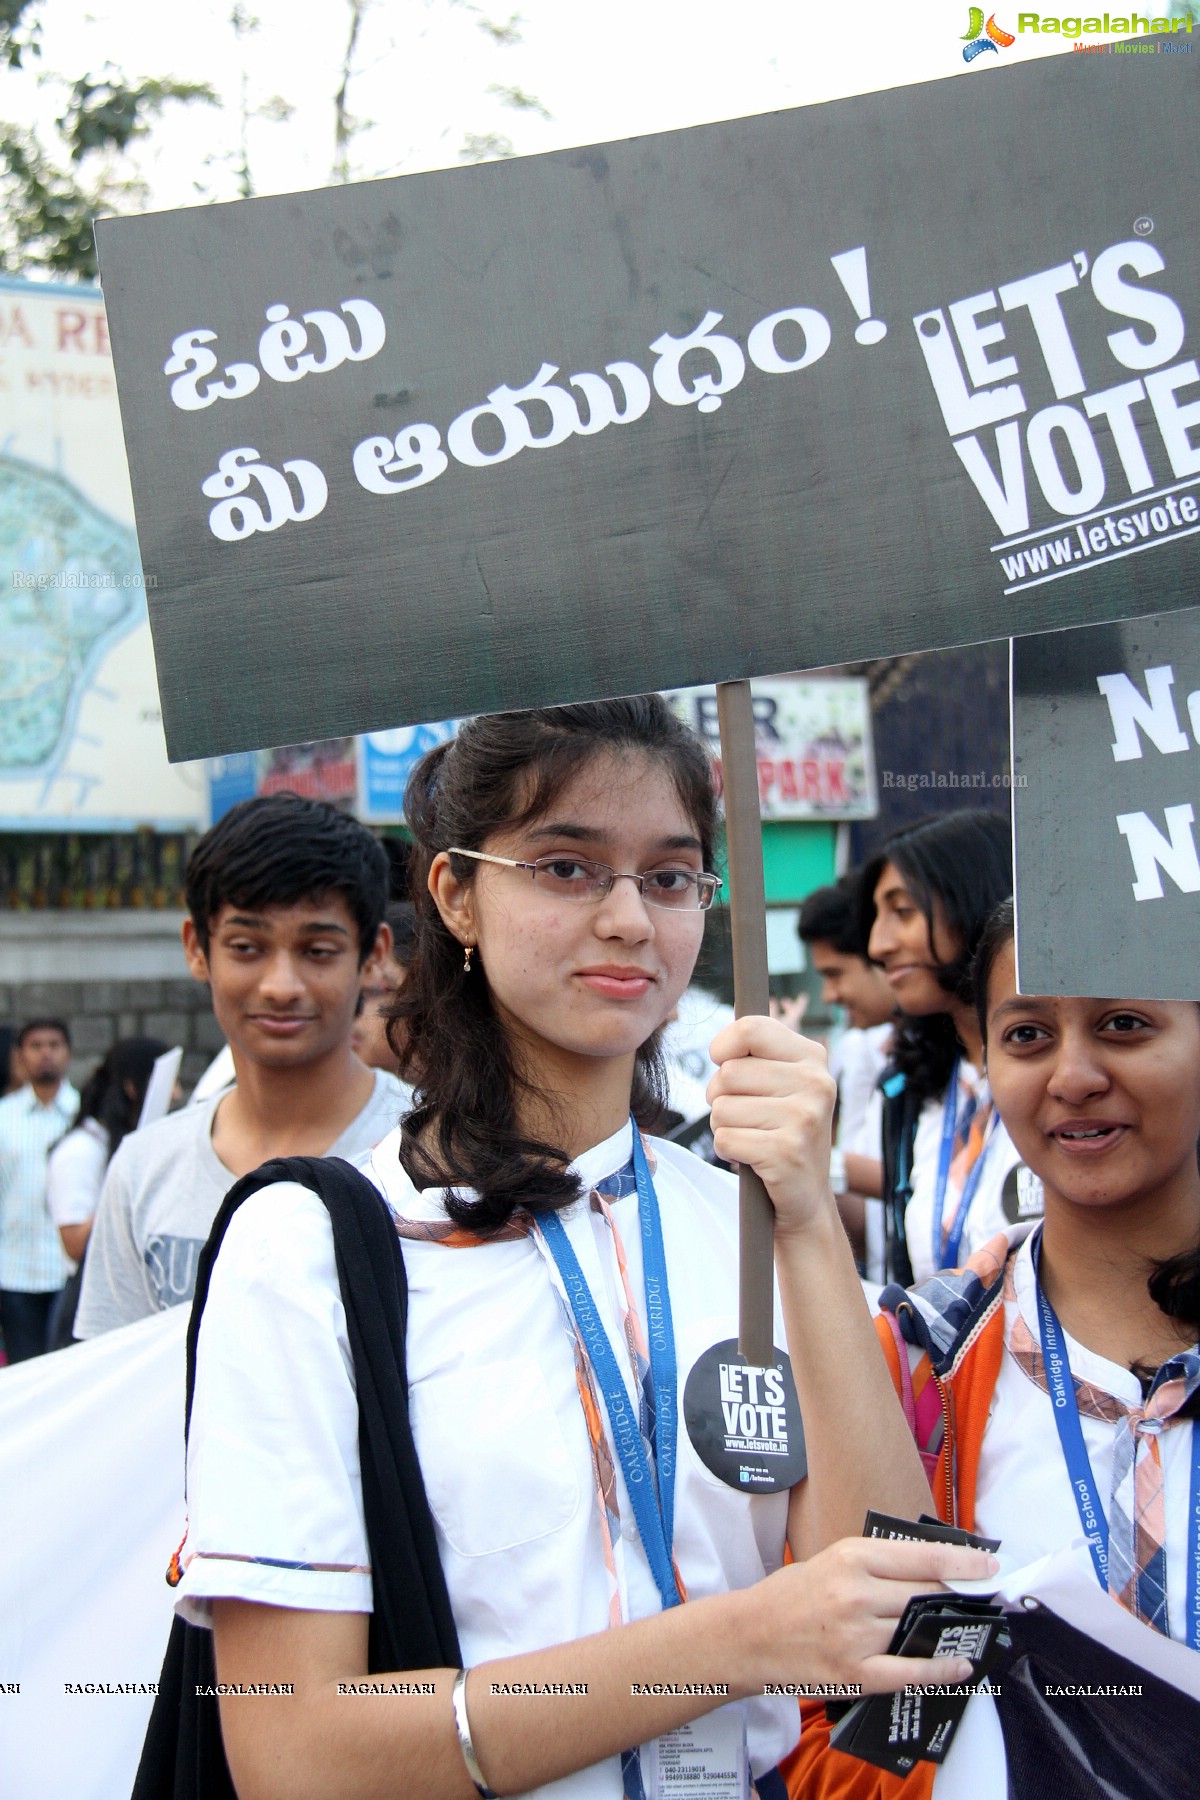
(1020, 1173)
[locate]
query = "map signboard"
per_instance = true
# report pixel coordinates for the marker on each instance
(81, 741)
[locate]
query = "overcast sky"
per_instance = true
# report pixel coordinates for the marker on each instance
(423, 70)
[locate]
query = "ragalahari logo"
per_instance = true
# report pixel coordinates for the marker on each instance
(974, 40)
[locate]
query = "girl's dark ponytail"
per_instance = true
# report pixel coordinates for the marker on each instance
(106, 1097)
(1175, 1288)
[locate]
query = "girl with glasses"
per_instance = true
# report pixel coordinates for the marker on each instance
(566, 1274)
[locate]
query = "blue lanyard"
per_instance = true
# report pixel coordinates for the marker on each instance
(1070, 1432)
(1092, 1516)
(655, 1517)
(1193, 1583)
(945, 1158)
(954, 1240)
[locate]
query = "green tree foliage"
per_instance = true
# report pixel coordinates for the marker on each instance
(52, 192)
(108, 114)
(48, 206)
(45, 216)
(489, 146)
(18, 34)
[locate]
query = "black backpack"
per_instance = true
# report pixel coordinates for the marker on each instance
(411, 1627)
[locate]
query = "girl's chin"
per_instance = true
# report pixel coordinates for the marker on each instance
(1098, 1191)
(918, 1002)
(602, 1046)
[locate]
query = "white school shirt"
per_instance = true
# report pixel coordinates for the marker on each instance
(75, 1173)
(273, 1467)
(1023, 1494)
(857, 1062)
(986, 1216)
(32, 1259)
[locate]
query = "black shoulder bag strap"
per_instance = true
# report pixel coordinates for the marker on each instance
(411, 1627)
(898, 1139)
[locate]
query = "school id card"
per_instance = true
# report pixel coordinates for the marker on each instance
(704, 1760)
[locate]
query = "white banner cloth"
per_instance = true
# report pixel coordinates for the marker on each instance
(91, 1507)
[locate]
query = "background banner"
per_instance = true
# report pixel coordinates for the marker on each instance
(1106, 768)
(386, 759)
(815, 752)
(899, 371)
(81, 742)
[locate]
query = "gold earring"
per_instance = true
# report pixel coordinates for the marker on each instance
(467, 951)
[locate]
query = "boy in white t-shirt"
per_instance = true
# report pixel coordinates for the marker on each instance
(285, 899)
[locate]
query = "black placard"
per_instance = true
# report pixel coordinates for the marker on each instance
(847, 381)
(1106, 768)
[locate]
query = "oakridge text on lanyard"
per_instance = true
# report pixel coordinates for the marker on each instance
(1092, 1516)
(654, 1515)
(945, 1256)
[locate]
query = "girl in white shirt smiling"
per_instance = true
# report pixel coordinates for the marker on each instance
(925, 900)
(1102, 1099)
(561, 869)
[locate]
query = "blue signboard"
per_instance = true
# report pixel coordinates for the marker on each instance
(230, 779)
(386, 760)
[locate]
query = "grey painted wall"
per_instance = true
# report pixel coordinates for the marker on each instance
(109, 975)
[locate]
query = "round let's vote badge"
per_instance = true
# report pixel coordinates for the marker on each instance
(1022, 1198)
(744, 1422)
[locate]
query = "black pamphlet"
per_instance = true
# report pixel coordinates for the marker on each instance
(896, 1731)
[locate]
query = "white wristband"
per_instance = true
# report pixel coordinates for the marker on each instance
(458, 1700)
(837, 1171)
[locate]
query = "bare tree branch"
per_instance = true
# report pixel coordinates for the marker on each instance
(485, 146)
(518, 98)
(509, 33)
(344, 126)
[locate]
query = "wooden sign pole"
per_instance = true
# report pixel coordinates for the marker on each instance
(751, 994)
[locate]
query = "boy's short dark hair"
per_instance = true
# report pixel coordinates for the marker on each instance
(830, 915)
(46, 1024)
(280, 849)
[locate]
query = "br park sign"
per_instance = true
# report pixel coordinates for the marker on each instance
(902, 371)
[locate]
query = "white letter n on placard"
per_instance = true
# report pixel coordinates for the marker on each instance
(1156, 716)
(1151, 851)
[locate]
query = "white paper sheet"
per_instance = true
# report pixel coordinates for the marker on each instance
(160, 1088)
